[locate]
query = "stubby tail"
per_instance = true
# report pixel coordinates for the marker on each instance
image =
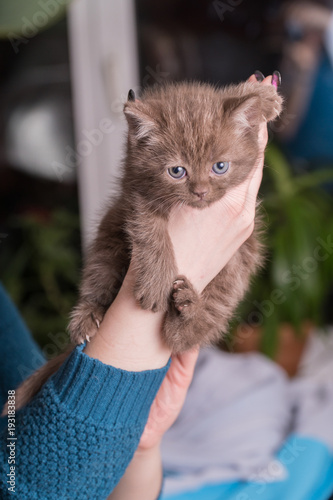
(27, 390)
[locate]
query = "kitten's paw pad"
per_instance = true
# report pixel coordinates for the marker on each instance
(177, 283)
(184, 296)
(181, 306)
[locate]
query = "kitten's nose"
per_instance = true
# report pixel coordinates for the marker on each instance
(201, 194)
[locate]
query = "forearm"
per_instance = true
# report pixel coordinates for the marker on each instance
(85, 397)
(129, 337)
(88, 418)
(142, 479)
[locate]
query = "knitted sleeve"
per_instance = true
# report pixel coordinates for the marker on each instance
(77, 436)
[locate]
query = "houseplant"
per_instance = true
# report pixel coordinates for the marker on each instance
(295, 281)
(40, 261)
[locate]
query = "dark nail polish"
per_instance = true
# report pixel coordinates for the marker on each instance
(276, 79)
(131, 95)
(259, 76)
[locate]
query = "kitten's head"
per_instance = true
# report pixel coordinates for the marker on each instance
(189, 142)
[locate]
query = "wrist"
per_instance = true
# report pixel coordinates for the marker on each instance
(148, 452)
(143, 477)
(129, 337)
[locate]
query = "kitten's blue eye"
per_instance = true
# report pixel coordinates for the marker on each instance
(177, 172)
(221, 167)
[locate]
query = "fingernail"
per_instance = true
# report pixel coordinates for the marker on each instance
(259, 76)
(276, 79)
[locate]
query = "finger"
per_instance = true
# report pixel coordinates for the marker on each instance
(252, 183)
(262, 136)
(257, 77)
(276, 79)
(252, 79)
(189, 358)
(185, 363)
(267, 80)
(255, 181)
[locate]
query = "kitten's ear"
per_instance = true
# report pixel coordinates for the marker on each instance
(140, 123)
(131, 95)
(245, 111)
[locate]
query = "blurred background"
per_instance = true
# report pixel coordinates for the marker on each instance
(66, 68)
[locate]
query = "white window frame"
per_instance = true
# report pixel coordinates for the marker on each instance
(104, 66)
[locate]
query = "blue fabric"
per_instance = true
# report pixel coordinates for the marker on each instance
(19, 353)
(77, 436)
(313, 140)
(309, 464)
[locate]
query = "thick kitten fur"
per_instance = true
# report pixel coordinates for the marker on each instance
(191, 125)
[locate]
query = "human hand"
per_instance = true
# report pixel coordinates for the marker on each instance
(143, 476)
(169, 399)
(203, 243)
(205, 240)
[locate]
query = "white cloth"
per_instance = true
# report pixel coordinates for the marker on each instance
(311, 392)
(238, 411)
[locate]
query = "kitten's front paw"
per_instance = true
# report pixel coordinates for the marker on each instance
(85, 321)
(184, 296)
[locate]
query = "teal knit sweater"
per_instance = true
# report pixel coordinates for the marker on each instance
(75, 439)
